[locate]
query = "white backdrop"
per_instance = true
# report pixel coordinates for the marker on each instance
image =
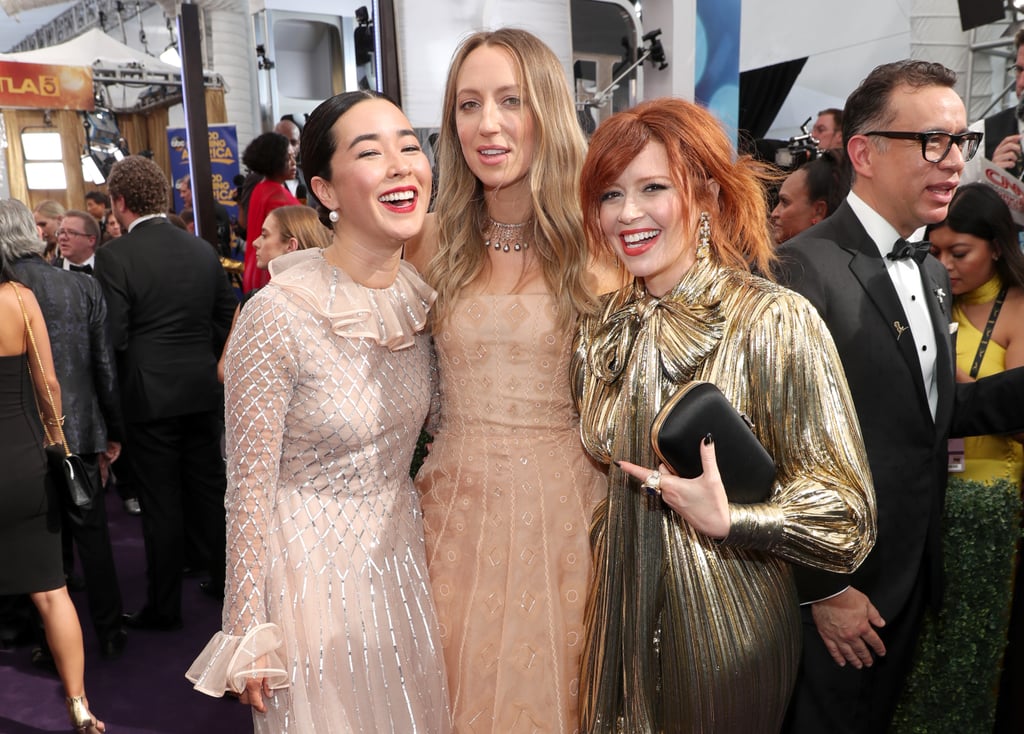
(432, 30)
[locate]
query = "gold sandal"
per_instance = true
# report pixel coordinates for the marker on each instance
(82, 720)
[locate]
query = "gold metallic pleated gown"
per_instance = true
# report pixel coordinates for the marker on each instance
(685, 633)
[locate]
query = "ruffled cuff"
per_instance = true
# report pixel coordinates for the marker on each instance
(228, 661)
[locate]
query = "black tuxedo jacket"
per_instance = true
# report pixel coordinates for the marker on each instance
(836, 265)
(76, 319)
(170, 307)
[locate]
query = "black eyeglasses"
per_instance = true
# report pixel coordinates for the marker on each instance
(935, 144)
(71, 233)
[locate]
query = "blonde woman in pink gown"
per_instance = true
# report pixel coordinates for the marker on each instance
(328, 625)
(507, 489)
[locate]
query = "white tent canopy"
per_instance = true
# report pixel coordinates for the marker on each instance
(125, 72)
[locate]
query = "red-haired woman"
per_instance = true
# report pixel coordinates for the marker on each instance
(692, 621)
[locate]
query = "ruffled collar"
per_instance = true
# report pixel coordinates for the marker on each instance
(389, 316)
(685, 325)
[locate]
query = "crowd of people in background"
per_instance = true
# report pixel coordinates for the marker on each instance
(544, 569)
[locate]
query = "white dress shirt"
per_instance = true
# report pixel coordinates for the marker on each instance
(906, 278)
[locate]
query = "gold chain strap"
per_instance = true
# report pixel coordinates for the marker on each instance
(42, 374)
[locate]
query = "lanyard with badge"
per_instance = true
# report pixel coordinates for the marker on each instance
(956, 445)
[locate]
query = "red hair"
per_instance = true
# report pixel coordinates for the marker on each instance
(700, 158)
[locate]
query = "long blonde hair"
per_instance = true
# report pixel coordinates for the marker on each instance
(557, 225)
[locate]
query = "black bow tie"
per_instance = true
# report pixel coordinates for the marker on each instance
(902, 249)
(87, 269)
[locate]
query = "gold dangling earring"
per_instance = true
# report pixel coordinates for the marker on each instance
(704, 236)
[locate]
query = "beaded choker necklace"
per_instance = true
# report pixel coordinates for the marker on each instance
(506, 237)
(984, 293)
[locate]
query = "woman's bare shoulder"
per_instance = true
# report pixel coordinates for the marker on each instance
(420, 249)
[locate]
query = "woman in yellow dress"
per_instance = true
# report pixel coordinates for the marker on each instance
(978, 245)
(692, 622)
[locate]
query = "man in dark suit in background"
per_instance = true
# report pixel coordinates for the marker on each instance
(77, 238)
(170, 309)
(76, 314)
(1003, 129)
(904, 129)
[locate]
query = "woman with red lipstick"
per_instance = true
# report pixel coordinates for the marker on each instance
(269, 155)
(692, 622)
(507, 490)
(328, 624)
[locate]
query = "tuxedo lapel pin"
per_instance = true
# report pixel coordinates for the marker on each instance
(900, 328)
(941, 295)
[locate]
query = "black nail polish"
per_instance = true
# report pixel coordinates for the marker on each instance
(709, 439)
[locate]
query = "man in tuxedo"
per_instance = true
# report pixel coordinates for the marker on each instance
(75, 314)
(77, 238)
(887, 304)
(170, 309)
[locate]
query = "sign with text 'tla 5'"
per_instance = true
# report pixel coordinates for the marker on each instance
(45, 86)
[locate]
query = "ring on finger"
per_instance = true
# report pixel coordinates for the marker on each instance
(652, 485)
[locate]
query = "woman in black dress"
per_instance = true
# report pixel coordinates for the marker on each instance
(25, 532)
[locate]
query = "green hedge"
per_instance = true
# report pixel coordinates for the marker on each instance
(953, 685)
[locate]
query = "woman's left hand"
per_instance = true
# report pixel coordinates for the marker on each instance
(700, 501)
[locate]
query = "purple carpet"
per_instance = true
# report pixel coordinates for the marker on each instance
(143, 692)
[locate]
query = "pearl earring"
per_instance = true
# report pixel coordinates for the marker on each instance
(333, 216)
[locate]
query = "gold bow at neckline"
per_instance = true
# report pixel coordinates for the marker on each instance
(685, 326)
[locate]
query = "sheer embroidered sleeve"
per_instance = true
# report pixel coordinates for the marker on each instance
(260, 369)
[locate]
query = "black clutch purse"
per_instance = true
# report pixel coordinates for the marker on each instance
(69, 476)
(747, 469)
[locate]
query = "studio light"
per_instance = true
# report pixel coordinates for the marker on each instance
(43, 154)
(41, 146)
(171, 56)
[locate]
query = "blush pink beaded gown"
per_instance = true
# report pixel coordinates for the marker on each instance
(327, 386)
(507, 494)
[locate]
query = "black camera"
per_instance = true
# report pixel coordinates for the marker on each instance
(800, 149)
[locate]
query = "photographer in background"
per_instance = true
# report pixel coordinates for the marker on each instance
(1002, 130)
(828, 129)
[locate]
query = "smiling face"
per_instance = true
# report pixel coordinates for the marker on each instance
(380, 177)
(494, 125)
(892, 175)
(970, 260)
(270, 243)
(647, 223)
